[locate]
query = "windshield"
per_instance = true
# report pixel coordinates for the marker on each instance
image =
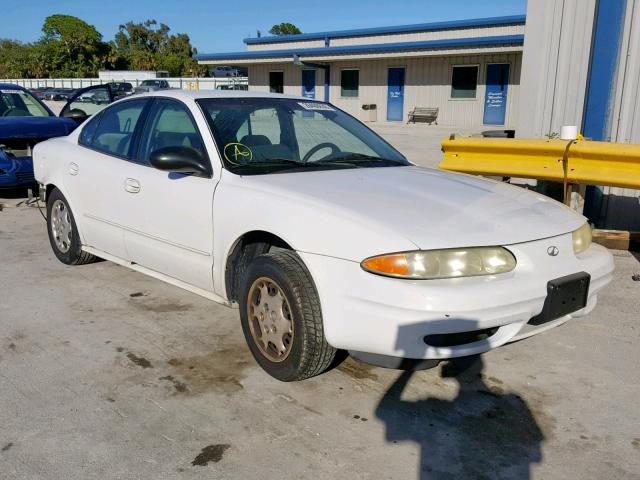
(18, 103)
(264, 135)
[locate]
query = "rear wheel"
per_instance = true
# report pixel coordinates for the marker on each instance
(281, 317)
(63, 232)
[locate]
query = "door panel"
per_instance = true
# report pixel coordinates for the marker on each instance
(168, 226)
(94, 183)
(96, 176)
(395, 95)
(495, 100)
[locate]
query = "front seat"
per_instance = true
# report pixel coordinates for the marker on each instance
(255, 140)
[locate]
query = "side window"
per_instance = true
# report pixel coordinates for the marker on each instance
(169, 125)
(89, 130)
(349, 83)
(464, 81)
(117, 124)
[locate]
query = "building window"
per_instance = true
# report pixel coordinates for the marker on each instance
(464, 81)
(276, 82)
(349, 83)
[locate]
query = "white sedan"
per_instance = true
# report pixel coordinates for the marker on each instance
(325, 236)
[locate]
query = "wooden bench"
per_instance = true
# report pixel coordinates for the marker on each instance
(423, 114)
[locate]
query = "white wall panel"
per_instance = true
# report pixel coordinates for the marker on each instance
(555, 65)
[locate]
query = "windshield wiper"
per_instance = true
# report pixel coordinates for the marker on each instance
(361, 158)
(271, 162)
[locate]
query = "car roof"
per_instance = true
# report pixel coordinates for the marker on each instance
(186, 95)
(12, 86)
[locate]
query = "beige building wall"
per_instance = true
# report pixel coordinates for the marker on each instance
(427, 84)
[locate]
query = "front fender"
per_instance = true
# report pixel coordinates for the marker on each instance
(303, 224)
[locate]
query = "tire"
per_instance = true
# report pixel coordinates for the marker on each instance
(63, 232)
(306, 351)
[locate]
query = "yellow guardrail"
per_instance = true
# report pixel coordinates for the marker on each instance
(585, 162)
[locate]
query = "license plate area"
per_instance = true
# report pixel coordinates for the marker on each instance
(565, 295)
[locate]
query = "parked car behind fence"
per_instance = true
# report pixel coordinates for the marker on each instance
(152, 86)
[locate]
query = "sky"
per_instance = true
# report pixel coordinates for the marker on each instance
(220, 26)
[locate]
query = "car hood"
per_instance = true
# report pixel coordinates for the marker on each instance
(429, 207)
(35, 127)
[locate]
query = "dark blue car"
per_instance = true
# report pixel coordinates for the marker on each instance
(25, 121)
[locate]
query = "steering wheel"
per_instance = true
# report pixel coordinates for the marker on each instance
(334, 149)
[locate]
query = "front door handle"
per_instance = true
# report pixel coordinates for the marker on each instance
(73, 168)
(132, 185)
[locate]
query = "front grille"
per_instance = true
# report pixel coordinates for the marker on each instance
(25, 177)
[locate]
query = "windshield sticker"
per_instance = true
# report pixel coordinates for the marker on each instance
(317, 106)
(237, 153)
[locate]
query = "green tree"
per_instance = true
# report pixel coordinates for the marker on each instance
(285, 29)
(76, 48)
(71, 47)
(11, 54)
(150, 46)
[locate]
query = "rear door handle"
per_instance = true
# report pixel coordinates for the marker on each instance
(73, 168)
(132, 185)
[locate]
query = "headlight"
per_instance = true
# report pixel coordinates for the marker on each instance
(581, 238)
(450, 263)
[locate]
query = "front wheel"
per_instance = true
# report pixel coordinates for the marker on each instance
(281, 317)
(63, 232)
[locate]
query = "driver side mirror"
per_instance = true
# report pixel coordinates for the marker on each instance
(75, 114)
(181, 160)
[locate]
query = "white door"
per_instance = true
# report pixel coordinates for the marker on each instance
(95, 180)
(168, 220)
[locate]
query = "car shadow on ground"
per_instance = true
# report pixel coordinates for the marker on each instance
(482, 433)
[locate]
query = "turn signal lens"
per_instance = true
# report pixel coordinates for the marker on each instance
(450, 263)
(389, 264)
(581, 238)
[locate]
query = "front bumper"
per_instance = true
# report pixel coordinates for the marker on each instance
(387, 316)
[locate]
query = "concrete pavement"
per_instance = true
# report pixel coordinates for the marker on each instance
(106, 373)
